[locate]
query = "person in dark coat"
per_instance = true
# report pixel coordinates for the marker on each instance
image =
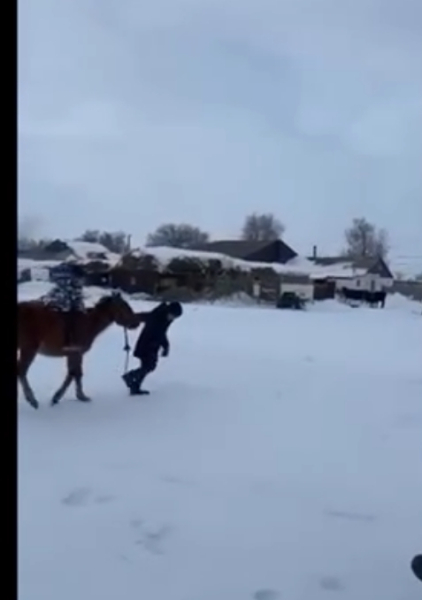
(416, 566)
(67, 297)
(152, 339)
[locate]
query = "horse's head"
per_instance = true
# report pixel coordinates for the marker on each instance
(120, 311)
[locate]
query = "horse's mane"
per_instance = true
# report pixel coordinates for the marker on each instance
(106, 300)
(103, 301)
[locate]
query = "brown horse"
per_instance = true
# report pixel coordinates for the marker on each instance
(41, 331)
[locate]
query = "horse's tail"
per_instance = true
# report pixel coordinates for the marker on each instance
(22, 319)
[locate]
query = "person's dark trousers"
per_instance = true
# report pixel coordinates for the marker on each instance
(69, 321)
(416, 566)
(135, 378)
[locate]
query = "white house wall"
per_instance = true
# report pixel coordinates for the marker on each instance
(368, 282)
(40, 274)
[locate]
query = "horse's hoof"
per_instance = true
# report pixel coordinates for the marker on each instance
(34, 403)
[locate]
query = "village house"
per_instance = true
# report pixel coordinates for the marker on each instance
(215, 270)
(253, 268)
(160, 270)
(265, 270)
(271, 282)
(96, 260)
(370, 274)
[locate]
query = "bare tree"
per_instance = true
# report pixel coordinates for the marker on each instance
(28, 230)
(262, 227)
(176, 235)
(90, 235)
(114, 241)
(26, 244)
(363, 239)
(29, 227)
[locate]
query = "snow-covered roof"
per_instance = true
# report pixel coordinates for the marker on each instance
(83, 248)
(346, 267)
(30, 263)
(87, 252)
(337, 271)
(164, 255)
(91, 251)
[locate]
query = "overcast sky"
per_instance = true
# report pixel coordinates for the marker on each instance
(135, 113)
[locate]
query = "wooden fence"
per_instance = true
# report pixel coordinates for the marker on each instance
(411, 289)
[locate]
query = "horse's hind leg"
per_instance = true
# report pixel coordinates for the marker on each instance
(66, 383)
(74, 372)
(75, 363)
(26, 358)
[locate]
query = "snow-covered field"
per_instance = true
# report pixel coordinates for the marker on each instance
(279, 457)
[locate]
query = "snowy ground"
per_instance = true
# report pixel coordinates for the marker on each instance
(277, 458)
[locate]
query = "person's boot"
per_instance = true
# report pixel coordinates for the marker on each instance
(137, 391)
(416, 566)
(133, 380)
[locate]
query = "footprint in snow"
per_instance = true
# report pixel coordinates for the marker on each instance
(266, 595)
(77, 497)
(350, 516)
(331, 584)
(152, 540)
(408, 420)
(82, 496)
(105, 499)
(170, 479)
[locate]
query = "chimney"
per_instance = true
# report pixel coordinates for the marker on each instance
(314, 252)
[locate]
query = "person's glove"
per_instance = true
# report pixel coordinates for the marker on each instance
(165, 352)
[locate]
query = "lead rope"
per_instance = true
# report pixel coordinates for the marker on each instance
(126, 348)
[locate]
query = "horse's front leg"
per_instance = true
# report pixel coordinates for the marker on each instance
(75, 363)
(26, 358)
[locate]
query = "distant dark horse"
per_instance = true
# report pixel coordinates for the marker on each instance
(373, 299)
